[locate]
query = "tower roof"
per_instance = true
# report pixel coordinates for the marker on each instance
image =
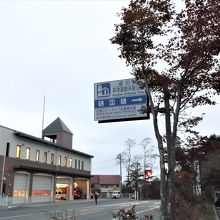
(57, 126)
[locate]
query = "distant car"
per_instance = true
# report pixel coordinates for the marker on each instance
(116, 195)
(132, 196)
(60, 195)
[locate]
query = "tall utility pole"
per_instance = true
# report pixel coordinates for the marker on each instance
(145, 156)
(137, 175)
(120, 163)
(130, 143)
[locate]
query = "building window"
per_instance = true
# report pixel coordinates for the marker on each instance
(82, 165)
(4, 189)
(52, 159)
(18, 151)
(65, 161)
(79, 164)
(7, 150)
(75, 163)
(37, 155)
(71, 162)
(45, 157)
(59, 160)
(27, 156)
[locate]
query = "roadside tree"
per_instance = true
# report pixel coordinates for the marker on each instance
(174, 56)
(202, 163)
(210, 165)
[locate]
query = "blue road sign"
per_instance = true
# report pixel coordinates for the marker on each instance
(133, 100)
(119, 100)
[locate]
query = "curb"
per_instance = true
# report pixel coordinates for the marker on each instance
(29, 205)
(216, 216)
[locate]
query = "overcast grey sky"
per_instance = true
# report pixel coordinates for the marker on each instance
(60, 49)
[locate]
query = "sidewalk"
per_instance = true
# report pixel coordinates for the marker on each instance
(25, 205)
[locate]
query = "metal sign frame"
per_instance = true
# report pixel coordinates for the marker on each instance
(119, 100)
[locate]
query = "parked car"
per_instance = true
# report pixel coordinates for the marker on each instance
(116, 195)
(132, 196)
(60, 195)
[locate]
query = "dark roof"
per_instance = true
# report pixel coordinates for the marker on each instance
(57, 126)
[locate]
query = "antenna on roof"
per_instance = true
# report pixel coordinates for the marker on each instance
(43, 117)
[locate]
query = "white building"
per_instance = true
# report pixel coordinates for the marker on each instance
(34, 169)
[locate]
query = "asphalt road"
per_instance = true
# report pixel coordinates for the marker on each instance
(81, 209)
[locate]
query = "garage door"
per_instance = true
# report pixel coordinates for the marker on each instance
(21, 188)
(42, 188)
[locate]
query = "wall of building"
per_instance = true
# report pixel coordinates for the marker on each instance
(65, 139)
(105, 184)
(31, 171)
(8, 136)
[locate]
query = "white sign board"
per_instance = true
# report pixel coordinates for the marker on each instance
(119, 101)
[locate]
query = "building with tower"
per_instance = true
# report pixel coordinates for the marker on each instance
(34, 169)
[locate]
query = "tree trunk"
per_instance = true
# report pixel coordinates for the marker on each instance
(163, 179)
(163, 194)
(170, 185)
(167, 186)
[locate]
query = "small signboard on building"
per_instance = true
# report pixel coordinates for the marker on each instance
(119, 100)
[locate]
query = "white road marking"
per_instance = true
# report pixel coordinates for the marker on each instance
(154, 207)
(146, 210)
(15, 216)
(127, 203)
